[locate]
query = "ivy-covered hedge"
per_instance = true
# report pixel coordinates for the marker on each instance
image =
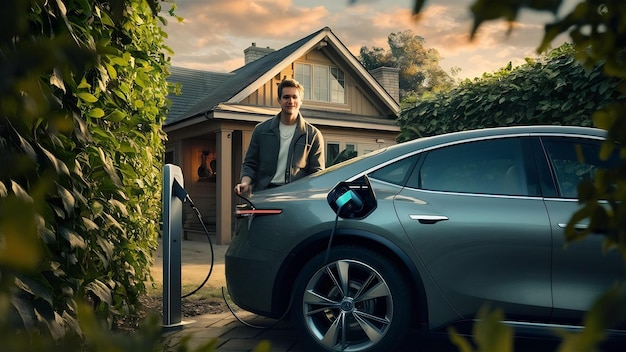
(554, 89)
(82, 101)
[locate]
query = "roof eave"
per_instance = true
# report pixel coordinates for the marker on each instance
(325, 34)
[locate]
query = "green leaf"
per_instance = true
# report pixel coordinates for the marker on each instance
(490, 333)
(96, 113)
(112, 222)
(59, 166)
(25, 310)
(107, 247)
(111, 70)
(67, 198)
(38, 288)
(56, 79)
(108, 166)
(3, 190)
(73, 238)
(97, 208)
(90, 225)
(100, 290)
(18, 191)
(87, 97)
(116, 116)
(119, 205)
(83, 84)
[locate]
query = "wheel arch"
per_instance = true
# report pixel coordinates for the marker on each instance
(353, 237)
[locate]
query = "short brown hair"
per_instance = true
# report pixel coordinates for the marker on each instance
(290, 82)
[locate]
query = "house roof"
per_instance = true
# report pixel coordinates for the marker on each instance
(231, 88)
(195, 86)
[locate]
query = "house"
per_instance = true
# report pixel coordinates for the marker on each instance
(210, 123)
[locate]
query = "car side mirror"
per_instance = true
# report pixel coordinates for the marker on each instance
(353, 200)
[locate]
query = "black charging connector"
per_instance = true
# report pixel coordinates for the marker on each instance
(181, 194)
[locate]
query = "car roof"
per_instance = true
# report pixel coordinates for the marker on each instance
(355, 167)
(507, 131)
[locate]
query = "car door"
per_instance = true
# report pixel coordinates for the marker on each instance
(478, 223)
(581, 270)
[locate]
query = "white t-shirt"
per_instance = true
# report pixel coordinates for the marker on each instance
(286, 134)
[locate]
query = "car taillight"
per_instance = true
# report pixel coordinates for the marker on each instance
(251, 212)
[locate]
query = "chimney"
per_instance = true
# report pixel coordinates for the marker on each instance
(253, 53)
(389, 78)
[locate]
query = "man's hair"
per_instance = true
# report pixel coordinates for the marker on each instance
(289, 82)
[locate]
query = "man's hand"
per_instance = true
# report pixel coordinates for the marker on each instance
(243, 187)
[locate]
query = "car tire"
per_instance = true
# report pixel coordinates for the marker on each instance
(375, 310)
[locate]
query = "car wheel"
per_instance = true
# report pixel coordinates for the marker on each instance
(357, 301)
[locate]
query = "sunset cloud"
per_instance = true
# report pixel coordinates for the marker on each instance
(215, 33)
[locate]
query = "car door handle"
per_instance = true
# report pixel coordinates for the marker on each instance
(578, 227)
(582, 227)
(428, 219)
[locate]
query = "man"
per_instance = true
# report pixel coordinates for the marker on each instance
(283, 148)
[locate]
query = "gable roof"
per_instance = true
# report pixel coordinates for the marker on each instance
(234, 87)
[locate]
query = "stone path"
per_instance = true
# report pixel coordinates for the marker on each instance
(228, 334)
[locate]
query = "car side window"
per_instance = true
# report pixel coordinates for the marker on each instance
(494, 166)
(574, 159)
(396, 172)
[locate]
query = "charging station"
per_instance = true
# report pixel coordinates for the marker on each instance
(173, 184)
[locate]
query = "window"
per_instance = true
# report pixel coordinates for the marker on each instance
(303, 75)
(335, 156)
(332, 151)
(573, 160)
(395, 173)
(337, 86)
(482, 167)
(321, 83)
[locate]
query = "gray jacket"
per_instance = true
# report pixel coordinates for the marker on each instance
(306, 153)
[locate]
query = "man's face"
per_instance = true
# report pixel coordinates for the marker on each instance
(290, 101)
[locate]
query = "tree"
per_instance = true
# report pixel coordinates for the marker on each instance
(82, 101)
(420, 72)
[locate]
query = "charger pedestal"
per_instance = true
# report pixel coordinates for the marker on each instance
(172, 248)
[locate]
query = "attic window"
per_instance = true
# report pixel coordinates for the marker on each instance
(322, 83)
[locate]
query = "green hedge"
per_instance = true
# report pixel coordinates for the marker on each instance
(82, 102)
(553, 90)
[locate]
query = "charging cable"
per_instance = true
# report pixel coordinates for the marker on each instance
(181, 194)
(206, 231)
(291, 299)
(232, 311)
(330, 238)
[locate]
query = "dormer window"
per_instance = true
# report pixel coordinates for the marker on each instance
(322, 83)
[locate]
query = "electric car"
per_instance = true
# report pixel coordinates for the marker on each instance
(421, 235)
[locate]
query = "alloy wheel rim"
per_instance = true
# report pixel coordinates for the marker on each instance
(347, 306)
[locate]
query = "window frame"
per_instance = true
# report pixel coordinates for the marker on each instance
(312, 81)
(548, 170)
(525, 158)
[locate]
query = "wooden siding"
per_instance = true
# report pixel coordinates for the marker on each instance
(356, 101)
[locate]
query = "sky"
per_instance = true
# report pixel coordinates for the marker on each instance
(215, 33)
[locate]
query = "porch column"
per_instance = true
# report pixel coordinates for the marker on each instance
(224, 186)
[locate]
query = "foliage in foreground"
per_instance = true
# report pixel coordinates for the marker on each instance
(82, 101)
